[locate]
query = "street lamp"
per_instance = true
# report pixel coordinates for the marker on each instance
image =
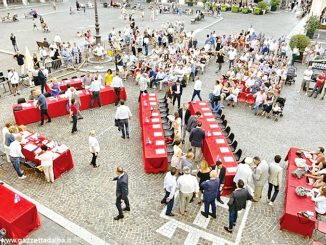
(97, 25)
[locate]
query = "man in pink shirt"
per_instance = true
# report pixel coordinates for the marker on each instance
(260, 98)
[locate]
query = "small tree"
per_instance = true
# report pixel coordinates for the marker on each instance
(299, 41)
(312, 26)
(275, 4)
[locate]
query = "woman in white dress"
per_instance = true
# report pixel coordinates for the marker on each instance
(177, 154)
(177, 126)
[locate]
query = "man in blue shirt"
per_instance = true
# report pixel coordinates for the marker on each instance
(42, 104)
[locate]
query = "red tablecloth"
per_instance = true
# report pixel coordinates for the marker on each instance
(57, 106)
(293, 203)
(62, 163)
(77, 83)
(154, 147)
(18, 219)
(215, 145)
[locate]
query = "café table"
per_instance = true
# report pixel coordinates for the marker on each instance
(18, 216)
(154, 147)
(31, 144)
(75, 82)
(27, 113)
(291, 219)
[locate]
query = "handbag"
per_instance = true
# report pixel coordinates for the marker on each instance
(116, 122)
(299, 173)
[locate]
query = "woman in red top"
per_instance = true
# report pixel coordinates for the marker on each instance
(73, 115)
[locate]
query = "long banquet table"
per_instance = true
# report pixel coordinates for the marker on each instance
(63, 161)
(76, 82)
(154, 147)
(215, 145)
(291, 220)
(18, 219)
(57, 106)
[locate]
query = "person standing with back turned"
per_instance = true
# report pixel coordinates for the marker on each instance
(121, 192)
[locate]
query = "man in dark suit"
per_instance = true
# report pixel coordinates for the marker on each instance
(196, 138)
(185, 114)
(222, 171)
(210, 188)
(41, 79)
(177, 92)
(238, 201)
(121, 192)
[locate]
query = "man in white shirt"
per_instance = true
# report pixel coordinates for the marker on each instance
(117, 85)
(14, 81)
(123, 114)
(15, 153)
(306, 79)
(232, 54)
(170, 185)
(187, 185)
(94, 148)
(143, 84)
(244, 173)
(95, 88)
(275, 179)
(197, 89)
(46, 157)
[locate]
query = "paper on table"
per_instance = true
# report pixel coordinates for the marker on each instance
(79, 92)
(228, 159)
(50, 144)
(156, 126)
(205, 109)
(152, 99)
(157, 134)
(155, 114)
(210, 119)
(220, 141)
(202, 103)
(30, 147)
(217, 133)
(62, 96)
(152, 103)
(55, 155)
(155, 120)
(224, 149)
(208, 114)
(151, 94)
(160, 151)
(232, 169)
(38, 150)
(62, 148)
(26, 105)
(26, 134)
(159, 142)
(213, 126)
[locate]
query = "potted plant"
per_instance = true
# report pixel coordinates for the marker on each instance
(245, 10)
(275, 4)
(257, 11)
(224, 8)
(263, 6)
(312, 26)
(190, 3)
(235, 9)
(299, 41)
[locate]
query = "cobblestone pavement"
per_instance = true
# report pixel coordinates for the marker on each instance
(86, 195)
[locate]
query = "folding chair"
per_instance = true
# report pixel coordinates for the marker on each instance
(242, 97)
(238, 155)
(221, 119)
(234, 145)
(224, 124)
(226, 131)
(230, 138)
(250, 99)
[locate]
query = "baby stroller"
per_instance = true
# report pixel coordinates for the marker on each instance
(290, 75)
(278, 108)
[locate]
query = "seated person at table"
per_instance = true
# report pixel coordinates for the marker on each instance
(46, 157)
(320, 201)
(87, 80)
(318, 157)
(54, 87)
(320, 180)
(31, 97)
